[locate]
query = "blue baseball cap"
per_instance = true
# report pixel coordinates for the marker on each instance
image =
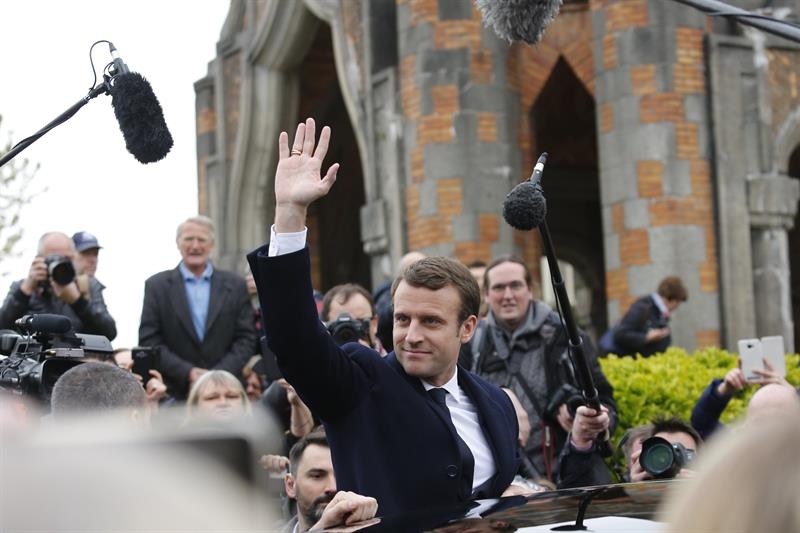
(85, 241)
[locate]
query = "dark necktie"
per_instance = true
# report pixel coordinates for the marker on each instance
(467, 460)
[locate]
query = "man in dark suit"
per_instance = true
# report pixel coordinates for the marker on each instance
(200, 316)
(645, 327)
(391, 438)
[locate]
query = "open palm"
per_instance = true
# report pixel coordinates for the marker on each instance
(297, 178)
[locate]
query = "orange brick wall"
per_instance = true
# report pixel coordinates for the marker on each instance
(659, 104)
(529, 68)
(436, 128)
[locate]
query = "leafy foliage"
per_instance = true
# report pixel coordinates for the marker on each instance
(15, 180)
(670, 384)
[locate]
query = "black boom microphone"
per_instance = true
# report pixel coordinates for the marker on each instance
(45, 323)
(138, 112)
(518, 20)
(136, 107)
(525, 206)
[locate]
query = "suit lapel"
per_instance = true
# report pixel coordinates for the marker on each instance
(490, 414)
(177, 293)
(219, 291)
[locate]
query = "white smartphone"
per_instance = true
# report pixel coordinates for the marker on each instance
(754, 351)
(751, 353)
(772, 348)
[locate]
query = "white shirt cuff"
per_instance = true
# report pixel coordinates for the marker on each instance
(286, 243)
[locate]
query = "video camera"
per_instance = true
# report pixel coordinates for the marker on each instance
(32, 361)
(346, 329)
(663, 459)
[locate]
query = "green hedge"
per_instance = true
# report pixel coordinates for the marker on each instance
(670, 384)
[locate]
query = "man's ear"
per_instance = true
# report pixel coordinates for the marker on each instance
(467, 329)
(288, 483)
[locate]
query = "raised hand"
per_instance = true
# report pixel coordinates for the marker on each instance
(734, 380)
(297, 178)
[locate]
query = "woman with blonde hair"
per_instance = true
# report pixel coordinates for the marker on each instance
(217, 396)
(747, 480)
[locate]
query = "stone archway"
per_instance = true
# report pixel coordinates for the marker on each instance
(334, 226)
(563, 124)
(793, 170)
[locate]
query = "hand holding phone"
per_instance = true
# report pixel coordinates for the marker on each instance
(145, 359)
(760, 355)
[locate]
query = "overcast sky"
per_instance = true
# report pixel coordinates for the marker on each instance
(93, 183)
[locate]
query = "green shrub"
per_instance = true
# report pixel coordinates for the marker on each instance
(670, 384)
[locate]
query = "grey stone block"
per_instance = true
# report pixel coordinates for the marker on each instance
(674, 14)
(663, 77)
(465, 227)
(446, 250)
(598, 26)
(427, 198)
(492, 98)
(465, 124)
(626, 113)
(651, 141)
(403, 16)
(610, 85)
(614, 313)
(640, 46)
(677, 179)
(674, 248)
(443, 62)
(415, 39)
(455, 9)
(490, 186)
(694, 108)
(444, 160)
(618, 183)
(637, 214)
(611, 250)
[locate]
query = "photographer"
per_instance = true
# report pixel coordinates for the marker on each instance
(349, 314)
(51, 288)
(684, 441)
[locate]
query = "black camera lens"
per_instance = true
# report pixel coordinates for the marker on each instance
(663, 459)
(347, 329)
(60, 269)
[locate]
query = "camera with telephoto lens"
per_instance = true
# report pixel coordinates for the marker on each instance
(663, 459)
(32, 361)
(60, 269)
(566, 394)
(346, 329)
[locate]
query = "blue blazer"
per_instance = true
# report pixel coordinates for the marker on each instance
(387, 440)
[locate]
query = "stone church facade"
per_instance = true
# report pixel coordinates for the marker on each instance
(673, 143)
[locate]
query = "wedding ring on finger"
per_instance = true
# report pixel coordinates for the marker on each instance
(297, 151)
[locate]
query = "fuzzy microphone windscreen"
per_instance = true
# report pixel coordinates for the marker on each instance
(518, 20)
(525, 207)
(140, 118)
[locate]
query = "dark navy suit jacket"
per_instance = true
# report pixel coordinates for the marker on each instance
(387, 440)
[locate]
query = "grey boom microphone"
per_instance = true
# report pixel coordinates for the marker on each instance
(518, 20)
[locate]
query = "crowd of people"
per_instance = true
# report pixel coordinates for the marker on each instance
(449, 383)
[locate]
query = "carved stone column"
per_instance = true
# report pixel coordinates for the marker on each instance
(772, 202)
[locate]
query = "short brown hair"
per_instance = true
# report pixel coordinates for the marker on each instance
(672, 288)
(317, 437)
(435, 273)
(507, 258)
(342, 294)
(674, 424)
